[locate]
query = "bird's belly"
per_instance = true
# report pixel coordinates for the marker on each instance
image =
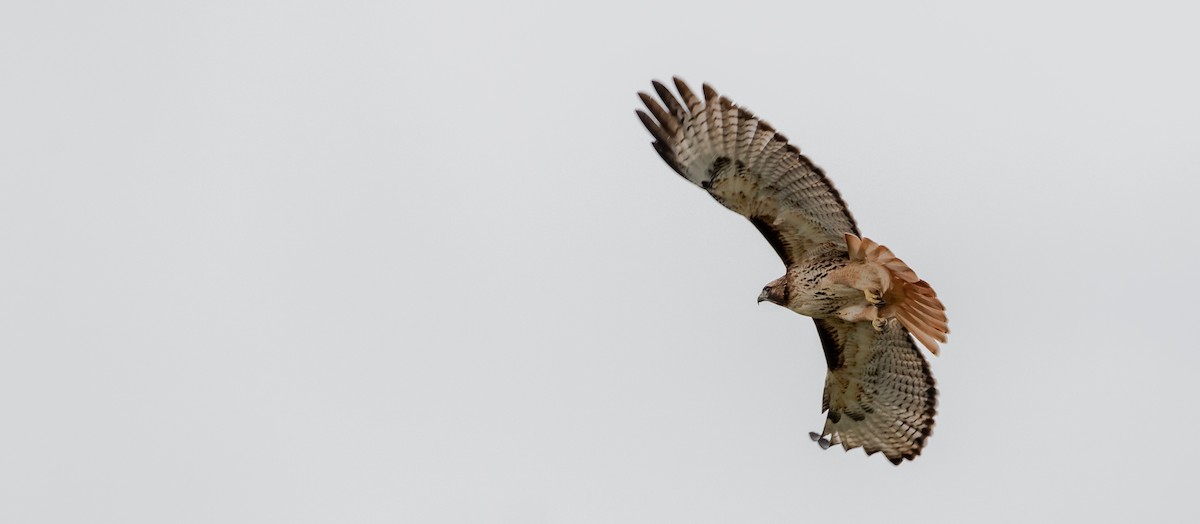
(824, 299)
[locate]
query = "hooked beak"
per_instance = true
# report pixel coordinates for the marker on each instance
(762, 297)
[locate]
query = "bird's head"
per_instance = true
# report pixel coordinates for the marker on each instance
(776, 292)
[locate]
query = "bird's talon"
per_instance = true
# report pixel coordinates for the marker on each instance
(875, 297)
(879, 323)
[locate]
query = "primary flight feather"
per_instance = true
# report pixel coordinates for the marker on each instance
(879, 392)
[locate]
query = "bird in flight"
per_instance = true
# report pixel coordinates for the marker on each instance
(866, 302)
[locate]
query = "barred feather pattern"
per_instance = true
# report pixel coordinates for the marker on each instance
(881, 396)
(748, 167)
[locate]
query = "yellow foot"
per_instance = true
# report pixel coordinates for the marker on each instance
(875, 297)
(879, 323)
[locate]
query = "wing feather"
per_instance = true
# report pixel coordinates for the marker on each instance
(662, 118)
(879, 393)
(677, 110)
(651, 125)
(689, 98)
(747, 166)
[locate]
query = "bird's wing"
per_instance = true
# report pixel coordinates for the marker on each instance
(745, 165)
(879, 393)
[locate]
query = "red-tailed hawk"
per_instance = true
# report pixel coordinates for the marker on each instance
(879, 393)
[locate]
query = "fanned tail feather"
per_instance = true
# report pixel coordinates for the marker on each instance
(909, 299)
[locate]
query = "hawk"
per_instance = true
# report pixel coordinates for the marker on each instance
(867, 304)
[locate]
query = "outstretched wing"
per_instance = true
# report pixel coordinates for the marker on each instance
(879, 392)
(744, 164)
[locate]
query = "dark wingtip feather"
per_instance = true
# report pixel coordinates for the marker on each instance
(653, 127)
(647, 100)
(665, 121)
(689, 97)
(668, 98)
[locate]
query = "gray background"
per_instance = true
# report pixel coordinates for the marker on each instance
(385, 262)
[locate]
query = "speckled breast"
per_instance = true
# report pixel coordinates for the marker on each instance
(810, 291)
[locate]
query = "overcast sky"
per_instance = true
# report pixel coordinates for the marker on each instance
(301, 261)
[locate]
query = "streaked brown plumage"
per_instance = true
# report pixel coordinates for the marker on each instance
(879, 392)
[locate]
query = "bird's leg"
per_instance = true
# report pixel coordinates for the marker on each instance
(821, 441)
(875, 298)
